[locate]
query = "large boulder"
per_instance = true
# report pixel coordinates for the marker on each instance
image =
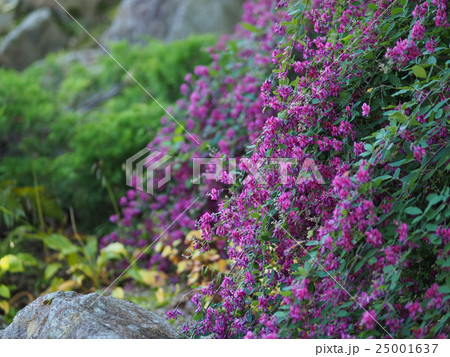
(139, 18)
(39, 34)
(84, 10)
(205, 16)
(76, 316)
(6, 22)
(173, 19)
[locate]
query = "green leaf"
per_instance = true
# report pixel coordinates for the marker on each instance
(397, 10)
(250, 27)
(60, 243)
(433, 198)
(27, 259)
(4, 291)
(419, 72)
(11, 263)
(398, 163)
(342, 313)
(113, 251)
(395, 80)
(51, 270)
(281, 314)
(399, 117)
(413, 211)
(91, 246)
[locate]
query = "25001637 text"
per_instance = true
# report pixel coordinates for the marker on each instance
(406, 348)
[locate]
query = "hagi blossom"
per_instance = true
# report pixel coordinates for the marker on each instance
(368, 319)
(418, 31)
(365, 110)
(414, 309)
(374, 237)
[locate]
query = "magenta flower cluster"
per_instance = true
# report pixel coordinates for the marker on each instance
(362, 254)
(303, 252)
(221, 110)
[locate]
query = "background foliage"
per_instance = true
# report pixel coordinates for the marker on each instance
(360, 88)
(66, 130)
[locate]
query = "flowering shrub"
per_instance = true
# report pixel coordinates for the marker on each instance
(222, 110)
(359, 89)
(362, 89)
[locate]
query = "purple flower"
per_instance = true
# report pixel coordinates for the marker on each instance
(418, 152)
(363, 175)
(369, 319)
(365, 110)
(374, 237)
(285, 201)
(431, 46)
(173, 314)
(418, 31)
(414, 309)
(403, 232)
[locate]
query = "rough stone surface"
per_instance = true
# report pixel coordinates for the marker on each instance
(38, 35)
(173, 19)
(204, 16)
(6, 21)
(138, 18)
(75, 316)
(80, 9)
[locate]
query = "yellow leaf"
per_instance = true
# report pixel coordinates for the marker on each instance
(118, 293)
(194, 235)
(213, 257)
(67, 285)
(160, 295)
(221, 265)
(153, 278)
(181, 266)
(193, 277)
(4, 305)
(168, 251)
(158, 247)
(11, 263)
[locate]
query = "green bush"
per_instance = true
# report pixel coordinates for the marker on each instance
(78, 124)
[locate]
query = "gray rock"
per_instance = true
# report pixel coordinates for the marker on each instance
(173, 19)
(80, 9)
(205, 16)
(77, 316)
(6, 21)
(38, 35)
(138, 18)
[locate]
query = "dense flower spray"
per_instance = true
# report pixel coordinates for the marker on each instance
(221, 109)
(303, 252)
(358, 89)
